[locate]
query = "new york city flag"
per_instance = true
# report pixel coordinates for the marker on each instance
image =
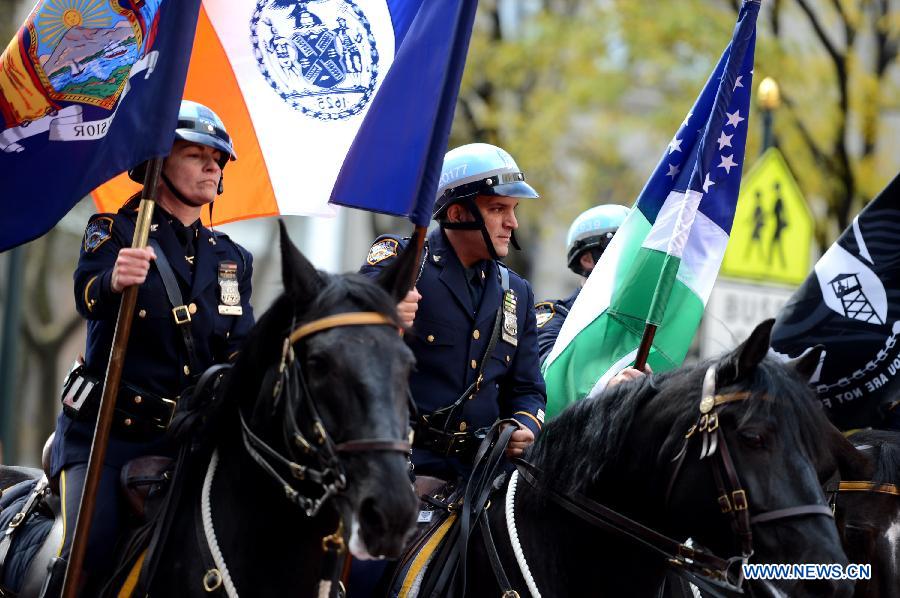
(341, 101)
(661, 264)
(88, 89)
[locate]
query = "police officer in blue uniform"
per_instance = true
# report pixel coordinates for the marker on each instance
(170, 345)
(473, 326)
(588, 237)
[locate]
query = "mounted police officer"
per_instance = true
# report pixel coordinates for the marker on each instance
(192, 311)
(473, 327)
(588, 237)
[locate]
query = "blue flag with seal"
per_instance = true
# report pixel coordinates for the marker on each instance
(88, 89)
(395, 160)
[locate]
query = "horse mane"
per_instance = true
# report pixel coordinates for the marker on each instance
(600, 427)
(886, 453)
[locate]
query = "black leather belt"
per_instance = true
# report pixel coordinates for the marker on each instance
(461, 445)
(139, 415)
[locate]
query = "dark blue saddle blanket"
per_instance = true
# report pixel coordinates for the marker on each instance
(28, 537)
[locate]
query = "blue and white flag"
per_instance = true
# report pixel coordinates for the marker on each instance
(88, 89)
(662, 263)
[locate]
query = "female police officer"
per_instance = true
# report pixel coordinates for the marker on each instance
(169, 344)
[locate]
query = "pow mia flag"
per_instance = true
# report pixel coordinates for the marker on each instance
(850, 304)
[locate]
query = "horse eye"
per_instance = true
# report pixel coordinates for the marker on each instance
(752, 439)
(316, 363)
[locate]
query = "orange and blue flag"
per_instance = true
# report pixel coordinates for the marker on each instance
(88, 89)
(328, 102)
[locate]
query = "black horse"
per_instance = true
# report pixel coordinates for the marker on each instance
(304, 452)
(867, 513)
(730, 454)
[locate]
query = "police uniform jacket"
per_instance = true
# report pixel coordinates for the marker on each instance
(450, 336)
(156, 359)
(550, 317)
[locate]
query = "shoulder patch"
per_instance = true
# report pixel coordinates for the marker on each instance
(98, 232)
(544, 311)
(382, 250)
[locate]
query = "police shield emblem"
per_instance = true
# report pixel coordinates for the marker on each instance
(98, 232)
(510, 331)
(229, 293)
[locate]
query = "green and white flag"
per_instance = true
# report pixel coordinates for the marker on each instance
(663, 261)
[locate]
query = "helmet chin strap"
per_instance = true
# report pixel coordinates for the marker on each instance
(476, 224)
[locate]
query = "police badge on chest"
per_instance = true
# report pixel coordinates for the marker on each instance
(229, 295)
(510, 330)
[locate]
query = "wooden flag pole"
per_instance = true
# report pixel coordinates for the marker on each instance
(110, 391)
(644, 349)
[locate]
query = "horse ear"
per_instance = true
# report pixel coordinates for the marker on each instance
(806, 364)
(397, 278)
(300, 278)
(740, 362)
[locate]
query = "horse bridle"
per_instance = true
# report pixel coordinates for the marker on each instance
(862, 486)
(327, 472)
(732, 499)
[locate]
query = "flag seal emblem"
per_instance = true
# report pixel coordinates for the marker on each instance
(319, 56)
(72, 54)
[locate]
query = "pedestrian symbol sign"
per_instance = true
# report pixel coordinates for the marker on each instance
(773, 227)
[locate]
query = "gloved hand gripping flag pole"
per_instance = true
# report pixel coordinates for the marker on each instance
(644, 299)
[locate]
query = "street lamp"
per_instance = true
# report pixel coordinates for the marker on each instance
(769, 99)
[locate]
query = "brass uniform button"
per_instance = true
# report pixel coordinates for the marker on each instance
(192, 308)
(127, 421)
(474, 364)
(187, 371)
(430, 338)
(476, 335)
(142, 313)
(138, 399)
(507, 359)
(462, 426)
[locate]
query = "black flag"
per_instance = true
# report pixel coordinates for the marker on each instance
(851, 304)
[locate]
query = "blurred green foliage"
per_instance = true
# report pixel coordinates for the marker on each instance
(586, 94)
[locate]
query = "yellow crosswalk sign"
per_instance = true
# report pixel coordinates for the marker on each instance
(773, 228)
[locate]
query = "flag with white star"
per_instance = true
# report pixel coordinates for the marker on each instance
(662, 263)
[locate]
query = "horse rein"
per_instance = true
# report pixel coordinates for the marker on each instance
(329, 475)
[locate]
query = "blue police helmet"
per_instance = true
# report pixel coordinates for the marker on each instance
(197, 124)
(593, 228)
(479, 169)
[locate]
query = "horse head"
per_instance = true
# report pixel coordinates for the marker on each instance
(330, 422)
(748, 476)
